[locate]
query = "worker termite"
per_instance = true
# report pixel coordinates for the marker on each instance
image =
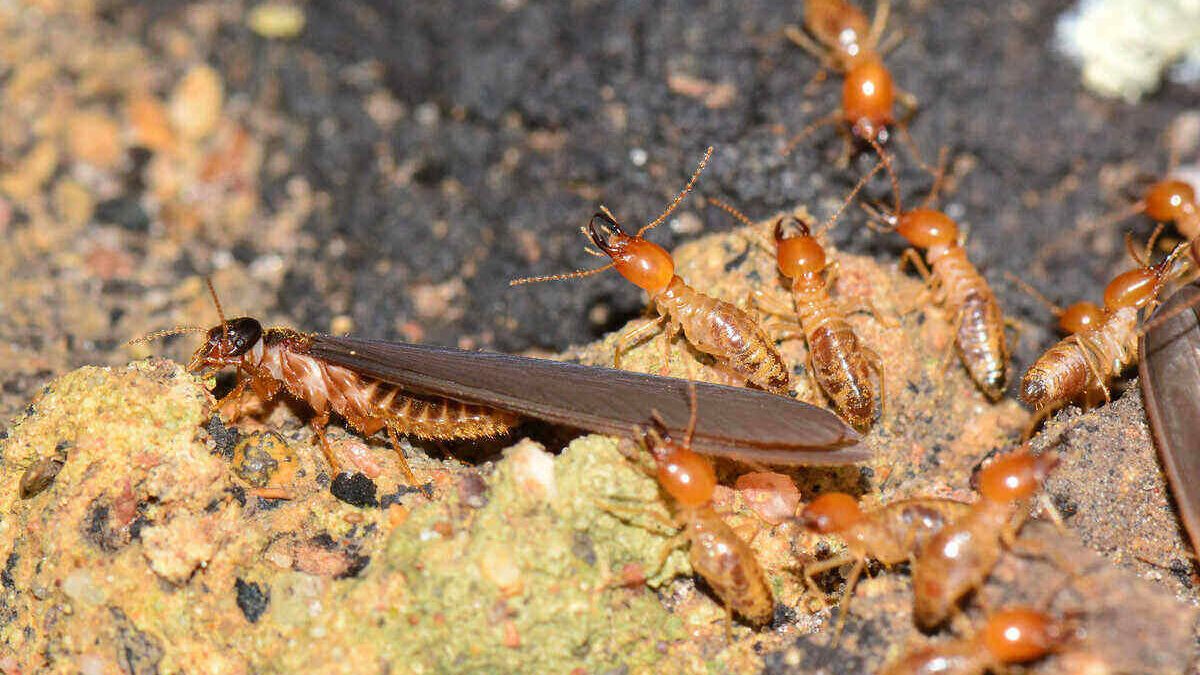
(1010, 636)
(715, 327)
(442, 393)
(838, 360)
(1091, 359)
(843, 40)
(959, 557)
(978, 322)
(891, 534)
(716, 552)
(1168, 201)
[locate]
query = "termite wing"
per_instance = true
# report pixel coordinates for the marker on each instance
(1170, 380)
(743, 424)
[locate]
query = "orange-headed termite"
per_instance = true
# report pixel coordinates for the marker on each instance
(891, 534)
(716, 552)
(1168, 201)
(959, 558)
(1091, 359)
(977, 320)
(718, 328)
(839, 362)
(1011, 636)
(843, 40)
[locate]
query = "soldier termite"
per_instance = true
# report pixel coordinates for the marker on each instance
(1010, 636)
(977, 320)
(1089, 360)
(843, 40)
(715, 327)
(1170, 381)
(891, 534)
(839, 362)
(434, 392)
(958, 558)
(716, 552)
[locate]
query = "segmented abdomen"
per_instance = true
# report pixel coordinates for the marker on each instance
(369, 405)
(728, 565)
(727, 333)
(979, 335)
(1063, 373)
(837, 358)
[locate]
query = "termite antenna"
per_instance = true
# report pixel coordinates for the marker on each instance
(939, 177)
(220, 312)
(862, 182)
(804, 133)
(679, 197)
(886, 158)
(1035, 293)
(578, 274)
(730, 209)
(148, 337)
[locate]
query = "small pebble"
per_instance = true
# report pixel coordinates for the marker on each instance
(276, 20)
(196, 102)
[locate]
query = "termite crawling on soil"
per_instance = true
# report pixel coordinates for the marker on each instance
(1010, 636)
(274, 360)
(1072, 319)
(959, 557)
(1090, 359)
(838, 360)
(891, 534)
(718, 328)
(716, 552)
(977, 320)
(843, 40)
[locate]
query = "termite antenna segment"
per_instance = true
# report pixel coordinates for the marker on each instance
(731, 210)
(939, 177)
(217, 302)
(679, 197)
(886, 158)
(558, 277)
(862, 182)
(166, 333)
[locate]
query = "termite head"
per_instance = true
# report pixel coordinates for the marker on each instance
(688, 477)
(1080, 317)
(838, 25)
(1015, 476)
(831, 513)
(1170, 200)
(1024, 634)
(226, 344)
(926, 228)
(644, 263)
(868, 100)
(1139, 287)
(798, 255)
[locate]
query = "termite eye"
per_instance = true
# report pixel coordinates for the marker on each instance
(1020, 635)
(1134, 288)
(243, 333)
(1169, 200)
(924, 228)
(831, 512)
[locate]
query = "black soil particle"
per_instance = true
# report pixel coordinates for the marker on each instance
(355, 489)
(252, 599)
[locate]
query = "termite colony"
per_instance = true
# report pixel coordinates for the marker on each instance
(950, 546)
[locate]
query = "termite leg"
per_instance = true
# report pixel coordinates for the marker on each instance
(847, 594)
(801, 40)
(1052, 512)
(728, 622)
(913, 257)
(632, 337)
(879, 22)
(408, 474)
(876, 362)
(769, 304)
(1093, 367)
(792, 142)
(318, 423)
(824, 566)
(234, 396)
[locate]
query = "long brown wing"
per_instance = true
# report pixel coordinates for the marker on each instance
(744, 424)
(1170, 377)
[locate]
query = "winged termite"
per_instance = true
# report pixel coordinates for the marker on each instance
(441, 393)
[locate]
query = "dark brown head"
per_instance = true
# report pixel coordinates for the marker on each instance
(226, 344)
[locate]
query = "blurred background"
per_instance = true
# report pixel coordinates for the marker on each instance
(384, 168)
